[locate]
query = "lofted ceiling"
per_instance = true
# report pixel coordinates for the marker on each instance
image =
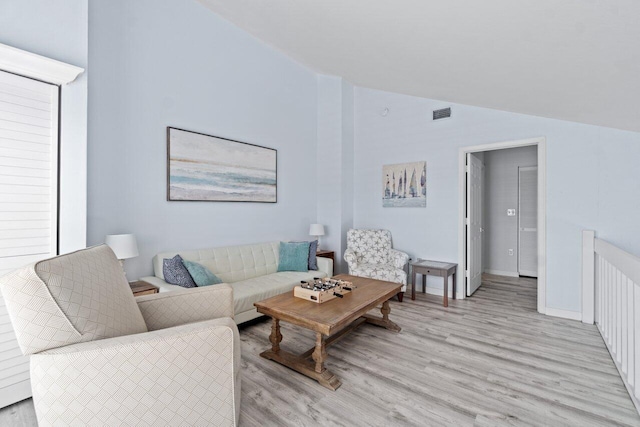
(576, 60)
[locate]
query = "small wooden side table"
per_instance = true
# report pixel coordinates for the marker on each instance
(326, 254)
(434, 268)
(140, 288)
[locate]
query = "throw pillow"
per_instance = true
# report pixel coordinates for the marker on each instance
(294, 256)
(176, 273)
(313, 262)
(201, 274)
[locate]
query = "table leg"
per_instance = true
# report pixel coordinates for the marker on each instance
(446, 290)
(275, 336)
(453, 278)
(424, 283)
(320, 353)
(413, 285)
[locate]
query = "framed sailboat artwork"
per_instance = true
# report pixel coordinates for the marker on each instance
(404, 185)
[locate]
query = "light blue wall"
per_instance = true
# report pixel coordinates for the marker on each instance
(592, 178)
(175, 63)
(57, 29)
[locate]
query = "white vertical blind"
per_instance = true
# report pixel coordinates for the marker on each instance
(28, 202)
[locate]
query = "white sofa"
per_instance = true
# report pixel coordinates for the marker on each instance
(251, 270)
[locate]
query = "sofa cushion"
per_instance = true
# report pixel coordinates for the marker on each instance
(294, 256)
(201, 274)
(247, 292)
(231, 263)
(77, 297)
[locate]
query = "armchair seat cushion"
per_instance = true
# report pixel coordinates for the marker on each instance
(381, 272)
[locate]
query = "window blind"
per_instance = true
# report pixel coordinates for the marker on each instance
(28, 202)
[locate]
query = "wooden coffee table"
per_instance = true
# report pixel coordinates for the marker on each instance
(330, 321)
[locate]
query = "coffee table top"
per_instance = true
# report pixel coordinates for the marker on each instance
(331, 316)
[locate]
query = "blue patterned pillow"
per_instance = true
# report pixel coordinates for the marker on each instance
(294, 256)
(313, 248)
(201, 274)
(176, 273)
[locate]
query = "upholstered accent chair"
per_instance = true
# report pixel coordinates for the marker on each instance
(99, 356)
(369, 254)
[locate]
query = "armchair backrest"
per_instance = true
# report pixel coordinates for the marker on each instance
(72, 298)
(370, 246)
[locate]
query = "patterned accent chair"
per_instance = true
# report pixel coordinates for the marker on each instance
(99, 356)
(369, 254)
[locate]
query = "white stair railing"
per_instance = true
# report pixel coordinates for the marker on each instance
(611, 297)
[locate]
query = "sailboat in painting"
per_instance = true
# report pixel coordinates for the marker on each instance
(413, 185)
(411, 188)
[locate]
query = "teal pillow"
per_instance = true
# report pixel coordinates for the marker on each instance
(294, 256)
(201, 274)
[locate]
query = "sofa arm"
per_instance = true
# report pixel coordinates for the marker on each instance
(398, 258)
(168, 309)
(325, 265)
(160, 284)
(351, 258)
(119, 380)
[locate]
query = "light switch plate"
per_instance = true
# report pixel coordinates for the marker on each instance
(511, 212)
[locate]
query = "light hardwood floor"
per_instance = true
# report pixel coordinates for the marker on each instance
(489, 360)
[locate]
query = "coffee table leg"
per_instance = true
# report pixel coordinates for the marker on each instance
(453, 281)
(384, 321)
(320, 353)
(276, 336)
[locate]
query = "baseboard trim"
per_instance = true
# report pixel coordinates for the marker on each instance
(565, 314)
(502, 273)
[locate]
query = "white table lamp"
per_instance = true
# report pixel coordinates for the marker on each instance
(316, 230)
(123, 245)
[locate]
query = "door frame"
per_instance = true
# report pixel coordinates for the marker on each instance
(541, 143)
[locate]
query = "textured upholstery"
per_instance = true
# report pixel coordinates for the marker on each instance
(251, 270)
(247, 292)
(173, 375)
(231, 263)
(78, 297)
(369, 254)
(179, 376)
(184, 306)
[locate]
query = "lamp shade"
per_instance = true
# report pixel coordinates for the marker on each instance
(316, 230)
(123, 245)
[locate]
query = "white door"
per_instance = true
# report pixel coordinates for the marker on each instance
(474, 223)
(528, 221)
(28, 202)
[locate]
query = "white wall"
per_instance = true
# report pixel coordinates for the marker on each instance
(501, 193)
(592, 179)
(174, 63)
(335, 164)
(58, 29)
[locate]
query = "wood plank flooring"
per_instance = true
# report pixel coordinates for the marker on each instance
(489, 360)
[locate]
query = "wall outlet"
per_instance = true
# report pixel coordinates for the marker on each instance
(511, 212)
(510, 252)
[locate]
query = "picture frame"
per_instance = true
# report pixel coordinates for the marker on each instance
(203, 167)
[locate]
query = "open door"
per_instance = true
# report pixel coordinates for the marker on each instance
(528, 221)
(474, 223)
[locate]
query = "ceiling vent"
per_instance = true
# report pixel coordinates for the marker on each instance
(443, 113)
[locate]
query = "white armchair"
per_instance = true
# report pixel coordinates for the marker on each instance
(369, 254)
(99, 356)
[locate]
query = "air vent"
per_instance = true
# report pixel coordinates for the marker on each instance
(443, 113)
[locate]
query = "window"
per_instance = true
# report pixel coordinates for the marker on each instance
(28, 200)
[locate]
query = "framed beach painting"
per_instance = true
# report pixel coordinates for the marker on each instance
(208, 168)
(404, 185)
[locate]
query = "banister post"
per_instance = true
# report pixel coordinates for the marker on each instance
(588, 276)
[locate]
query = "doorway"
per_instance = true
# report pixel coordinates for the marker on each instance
(502, 214)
